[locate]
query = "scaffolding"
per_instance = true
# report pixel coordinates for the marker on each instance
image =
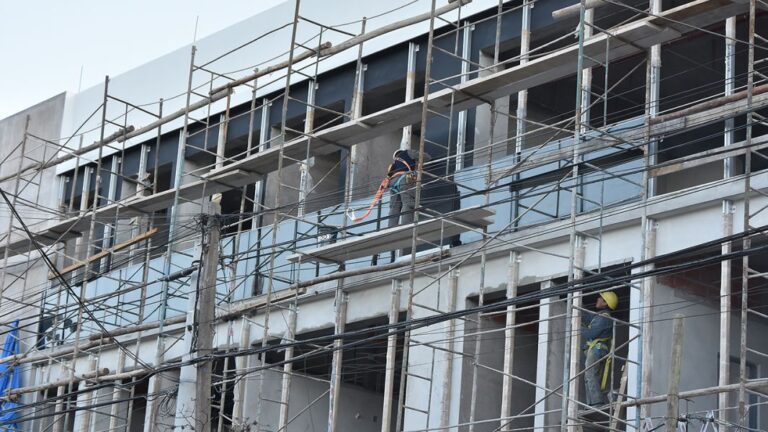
(135, 265)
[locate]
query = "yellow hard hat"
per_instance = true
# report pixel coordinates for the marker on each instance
(611, 298)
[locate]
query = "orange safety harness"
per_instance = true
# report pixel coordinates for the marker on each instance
(410, 176)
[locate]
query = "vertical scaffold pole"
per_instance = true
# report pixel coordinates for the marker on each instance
(89, 248)
(274, 250)
(580, 118)
(724, 366)
(417, 202)
(747, 242)
(648, 225)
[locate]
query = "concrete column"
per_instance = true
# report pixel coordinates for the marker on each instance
(118, 394)
(84, 418)
(648, 287)
(427, 395)
(462, 132)
(391, 366)
(285, 392)
(335, 387)
(449, 354)
(306, 182)
(185, 404)
(509, 337)
(410, 86)
(155, 417)
(549, 365)
(724, 367)
(575, 335)
(483, 140)
(242, 365)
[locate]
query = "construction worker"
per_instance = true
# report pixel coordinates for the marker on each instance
(402, 185)
(596, 332)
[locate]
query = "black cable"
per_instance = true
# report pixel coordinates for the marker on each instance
(63, 281)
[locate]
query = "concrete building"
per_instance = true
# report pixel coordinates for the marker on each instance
(182, 247)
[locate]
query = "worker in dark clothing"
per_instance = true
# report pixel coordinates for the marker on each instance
(596, 332)
(402, 185)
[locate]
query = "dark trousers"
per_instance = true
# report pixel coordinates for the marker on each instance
(401, 204)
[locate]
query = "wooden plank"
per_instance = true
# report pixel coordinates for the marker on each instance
(644, 33)
(116, 248)
(398, 237)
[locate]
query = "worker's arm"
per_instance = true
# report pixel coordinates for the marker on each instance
(600, 327)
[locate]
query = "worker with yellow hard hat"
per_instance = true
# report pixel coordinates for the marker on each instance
(597, 332)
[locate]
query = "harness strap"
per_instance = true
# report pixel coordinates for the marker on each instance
(598, 342)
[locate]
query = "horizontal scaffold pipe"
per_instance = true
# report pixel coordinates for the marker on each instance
(241, 309)
(176, 114)
(597, 281)
(271, 69)
(102, 375)
(246, 307)
(14, 393)
(71, 155)
(757, 384)
(713, 103)
(328, 50)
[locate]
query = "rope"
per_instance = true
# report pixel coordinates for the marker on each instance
(376, 198)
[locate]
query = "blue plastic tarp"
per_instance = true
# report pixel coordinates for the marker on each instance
(10, 378)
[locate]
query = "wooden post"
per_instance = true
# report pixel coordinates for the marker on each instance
(673, 386)
(204, 318)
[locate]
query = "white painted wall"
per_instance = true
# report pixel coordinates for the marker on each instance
(167, 76)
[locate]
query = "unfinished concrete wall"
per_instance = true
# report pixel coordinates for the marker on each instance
(325, 181)
(700, 349)
(489, 334)
(22, 281)
(373, 159)
(361, 409)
